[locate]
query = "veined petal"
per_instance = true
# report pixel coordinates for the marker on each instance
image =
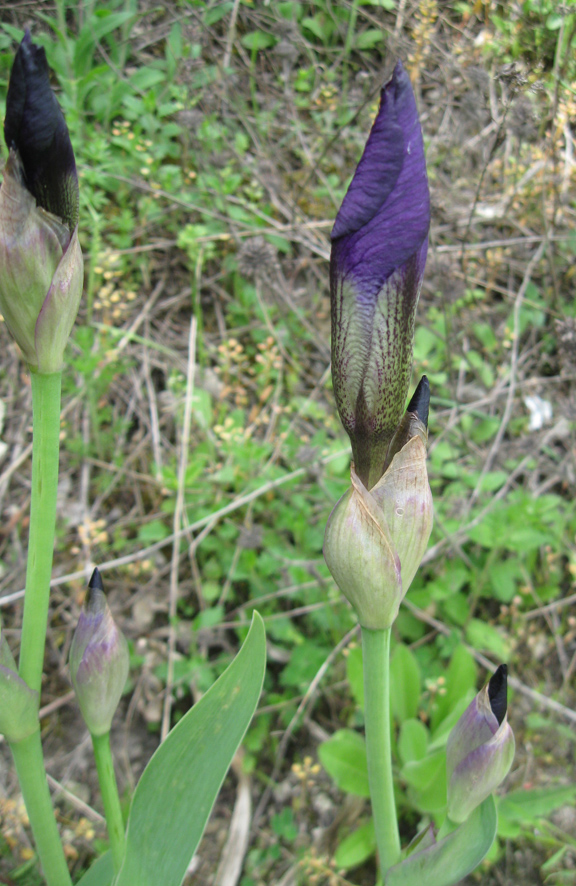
(372, 341)
(379, 247)
(385, 215)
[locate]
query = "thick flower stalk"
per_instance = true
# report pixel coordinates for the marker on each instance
(480, 749)
(379, 247)
(40, 258)
(378, 531)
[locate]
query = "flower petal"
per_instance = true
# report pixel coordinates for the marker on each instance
(35, 126)
(385, 215)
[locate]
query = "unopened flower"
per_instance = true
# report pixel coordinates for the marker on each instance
(375, 539)
(480, 749)
(41, 267)
(18, 703)
(379, 247)
(98, 660)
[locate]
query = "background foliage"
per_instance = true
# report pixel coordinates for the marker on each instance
(215, 141)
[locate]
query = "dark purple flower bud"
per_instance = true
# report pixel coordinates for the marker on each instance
(35, 127)
(41, 267)
(379, 246)
(480, 749)
(98, 660)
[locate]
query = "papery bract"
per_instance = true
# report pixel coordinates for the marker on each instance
(379, 246)
(375, 539)
(480, 749)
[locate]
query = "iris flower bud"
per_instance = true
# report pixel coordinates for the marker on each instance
(480, 749)
(41, 267)
(379, 247)
(375, 539)
(98, 660)
(18, 703)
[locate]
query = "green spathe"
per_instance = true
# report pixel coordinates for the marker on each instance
(375, 539)
(18, 706)
(41, 275)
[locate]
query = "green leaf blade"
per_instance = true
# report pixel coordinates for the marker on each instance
(344, 758)
(451, 859)
(178, 788)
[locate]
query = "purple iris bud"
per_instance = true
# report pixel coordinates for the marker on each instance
(35, 127)
(379, 247)
(98, 660)
(41, 266)
(480, 749)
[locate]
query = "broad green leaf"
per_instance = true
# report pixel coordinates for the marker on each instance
(257, 40)
(177, 790)
(460, 679)
(101, 873)
(420, 774)
(404, 684)
(413, 741)
(523, 807)
(344, 758)
(356, 848)
(452, 858)
(484, 636)
(440, 735)
(431, 798)
(368, 39)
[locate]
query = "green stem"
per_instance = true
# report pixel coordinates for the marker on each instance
(110, 798)
(28, 757)
(29, 763)
(376, 657)
(45, 452)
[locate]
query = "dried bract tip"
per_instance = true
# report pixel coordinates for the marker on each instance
(498, 692)
(419, 405)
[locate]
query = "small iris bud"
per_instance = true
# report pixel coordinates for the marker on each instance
(98, 660)
(379, 247)
(18, 703)
(480, 749)
(41, 266)
(375, 539)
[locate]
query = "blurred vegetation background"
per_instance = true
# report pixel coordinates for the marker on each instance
(201, 450)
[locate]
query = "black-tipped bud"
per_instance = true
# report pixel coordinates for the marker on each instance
(41, 266)
(98, 660)
(480, 749)
(35, 127)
